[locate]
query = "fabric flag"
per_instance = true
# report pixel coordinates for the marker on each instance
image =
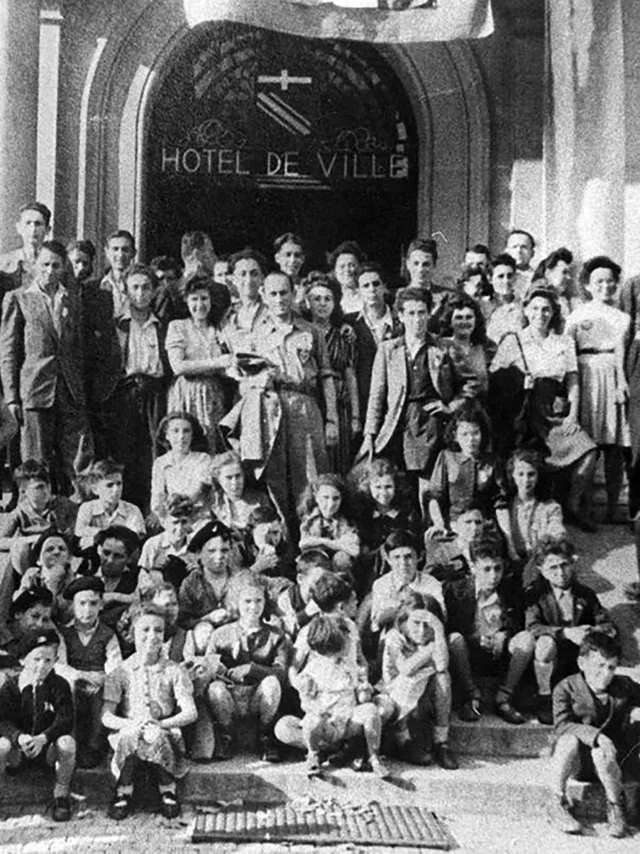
(378, 21)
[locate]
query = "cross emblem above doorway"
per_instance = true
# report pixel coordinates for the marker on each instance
(284, 79)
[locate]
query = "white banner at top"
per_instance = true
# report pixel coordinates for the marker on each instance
(376, 21)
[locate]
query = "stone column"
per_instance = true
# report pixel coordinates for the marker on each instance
(19, 59)
(584, 122)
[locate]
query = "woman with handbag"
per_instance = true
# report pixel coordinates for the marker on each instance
(549, 368)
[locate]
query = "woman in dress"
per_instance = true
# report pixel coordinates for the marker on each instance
(547, 365)
(198, 361)
(601, 334)
(323, 297)
(183, 470)
(464, 336)
(344, 263)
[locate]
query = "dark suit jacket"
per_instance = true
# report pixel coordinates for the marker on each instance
(389, 383)
(33, 356)
(366, 349)
(543, 615)
(461, 603)
(575, 713)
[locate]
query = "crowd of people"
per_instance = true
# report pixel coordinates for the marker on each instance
(307, 509)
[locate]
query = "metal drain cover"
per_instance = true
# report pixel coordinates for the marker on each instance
(323, 824)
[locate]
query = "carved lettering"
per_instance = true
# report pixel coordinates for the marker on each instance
(274, 163)
(226, 161)
(191, 160)
(326, 170)
(175, 159)
(291, 164)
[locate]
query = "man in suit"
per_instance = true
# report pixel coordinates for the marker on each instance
(414, 388)
(16, 267)
(596, 715)
(41, 365)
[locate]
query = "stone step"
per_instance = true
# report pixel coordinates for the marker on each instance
(515, 788)
(493, 737)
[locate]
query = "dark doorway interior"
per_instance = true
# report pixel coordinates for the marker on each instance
(254, 133)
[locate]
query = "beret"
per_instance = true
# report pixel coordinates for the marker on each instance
(28, 598)
(33, 640)
(84, 582)
(212, 529)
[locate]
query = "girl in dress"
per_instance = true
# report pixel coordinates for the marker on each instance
(532, 519)
(601, 334)
(197, 360)
(415, 676)
(147, 700)
(236, 506)
(464, 336)
(323, 298)
(324, 527)
(547, 365)
(344, 263)
(184, 469)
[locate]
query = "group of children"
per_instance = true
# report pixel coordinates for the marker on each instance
(355, 651)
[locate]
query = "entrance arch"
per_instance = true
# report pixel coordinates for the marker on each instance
(252, 133)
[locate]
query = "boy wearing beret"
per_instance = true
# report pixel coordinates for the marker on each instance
(36, 717)
(30, 611)
(93, 651)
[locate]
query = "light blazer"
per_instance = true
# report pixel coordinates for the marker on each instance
(33, 356)
(389, 384)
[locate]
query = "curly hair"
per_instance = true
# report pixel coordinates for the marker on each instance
(457, 303)
(317, 279)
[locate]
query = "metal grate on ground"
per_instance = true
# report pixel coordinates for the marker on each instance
(324, 824)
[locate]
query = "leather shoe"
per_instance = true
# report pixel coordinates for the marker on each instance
(120, 807)
(414, 755)
(444, 757)
(508, 712)
(470, 712)
(169, 805)
(61, 809)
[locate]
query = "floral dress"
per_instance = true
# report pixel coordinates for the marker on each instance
(201, 395)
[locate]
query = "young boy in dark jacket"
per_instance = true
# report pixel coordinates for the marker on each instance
(36, 717)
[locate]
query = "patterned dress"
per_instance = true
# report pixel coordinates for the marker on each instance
(200, 395)
(341, 358)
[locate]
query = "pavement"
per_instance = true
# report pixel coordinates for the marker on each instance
(499, 822)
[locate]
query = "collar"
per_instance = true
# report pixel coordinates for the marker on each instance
(126, 315)
(387, 317)
(81, 630)
(34, 287)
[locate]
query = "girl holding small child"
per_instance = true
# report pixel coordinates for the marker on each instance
(415, 676)
(324, 527)
(147, 700)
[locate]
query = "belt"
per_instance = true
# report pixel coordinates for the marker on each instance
(592, 351)
(139, 381)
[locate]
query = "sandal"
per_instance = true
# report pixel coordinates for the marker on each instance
(169, 805)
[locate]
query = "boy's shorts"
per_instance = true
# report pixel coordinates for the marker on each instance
(17, 761)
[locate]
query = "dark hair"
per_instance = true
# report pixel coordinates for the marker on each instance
(325, 636)
(36, 548)
(347, 247)
(526, 233)
(486, 549)
(179, 505)
(287, 237)
(122, 534)
(596, 263)
(479, 249)
(373, 267)
(422, 244)
(523, 455)
(456, 303)
(197, 441)
(504, 260)
(142, 270)
(84, 246)
(198, 282)
(121, 233)
(166, 262)
(411, 294)
(56, 248)
(192, 241)
(553, 546)
(412, 600)
(599, 641)
(469, 413)
(249, 254)
(308, 501)
(329, 590)
(31, 470)
(538, 289)
(317, 279)
(468, 272)
(40, 208)
(311, 559)
(105, 468)
(401, 540)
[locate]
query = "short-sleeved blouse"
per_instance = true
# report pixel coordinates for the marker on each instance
(553, 357)
(190, 476)
(149, 691)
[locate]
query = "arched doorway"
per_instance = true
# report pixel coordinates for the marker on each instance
(252, 133)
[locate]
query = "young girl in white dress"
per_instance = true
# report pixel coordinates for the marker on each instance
(601, 333)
